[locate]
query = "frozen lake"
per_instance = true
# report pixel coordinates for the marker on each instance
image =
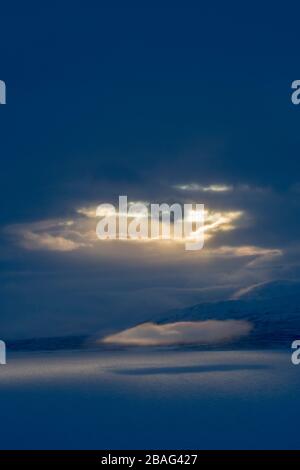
(150, 400)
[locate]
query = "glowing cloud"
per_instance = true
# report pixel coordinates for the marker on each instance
(80, 231)
(217, 188)
(49, 235)
(202, 332)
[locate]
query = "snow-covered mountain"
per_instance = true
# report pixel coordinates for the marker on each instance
(272, 308)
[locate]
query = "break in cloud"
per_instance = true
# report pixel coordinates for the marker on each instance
(224, 234)
(49, 235)
(203, 332)
(218, 188)
(62, 274)
(80, 231)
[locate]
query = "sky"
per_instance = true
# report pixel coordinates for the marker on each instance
(164, 102)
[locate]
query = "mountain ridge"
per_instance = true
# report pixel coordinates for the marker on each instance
(275, 318)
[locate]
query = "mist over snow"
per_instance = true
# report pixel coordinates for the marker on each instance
(205, 332)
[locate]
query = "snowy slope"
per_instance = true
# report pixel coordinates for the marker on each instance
(272, 308)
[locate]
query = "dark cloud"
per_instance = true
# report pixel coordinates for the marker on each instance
(138, 101)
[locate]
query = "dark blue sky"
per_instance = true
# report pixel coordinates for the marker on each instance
(135, 100)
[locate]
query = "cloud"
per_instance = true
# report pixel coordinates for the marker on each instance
(87, 211)
(215, 221)
(35, 241)
(203, 332)
(246, 250)
(103, 210)
(49, 235)
(70, 234)
(218, 188)
(221, 188)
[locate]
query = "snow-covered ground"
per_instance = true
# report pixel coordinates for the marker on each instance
(150, 399)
